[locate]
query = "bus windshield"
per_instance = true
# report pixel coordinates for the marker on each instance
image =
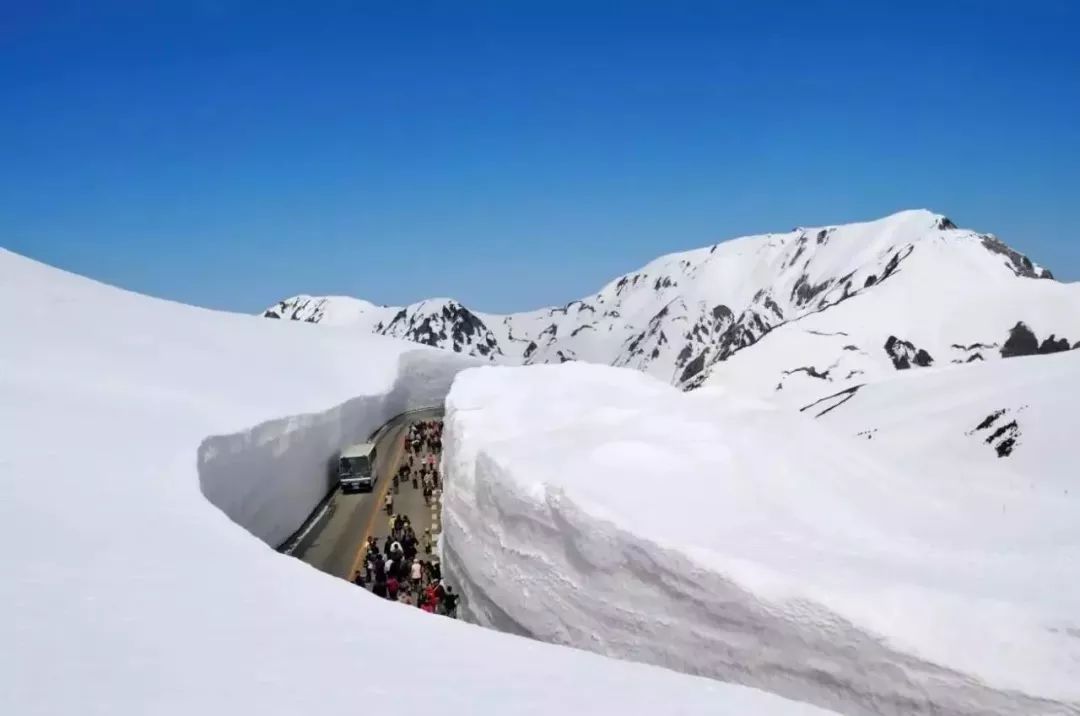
(354, 466)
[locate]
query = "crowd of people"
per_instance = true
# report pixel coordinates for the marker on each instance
(403, 568)
(423, 445)
(399, 572)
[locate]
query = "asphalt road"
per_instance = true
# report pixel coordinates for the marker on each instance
(335, 545)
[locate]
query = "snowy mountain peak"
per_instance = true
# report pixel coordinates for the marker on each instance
(864, 299)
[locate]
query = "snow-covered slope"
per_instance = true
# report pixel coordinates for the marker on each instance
(1015, 419)
(127, 592)
(787, 313)
(718, 535)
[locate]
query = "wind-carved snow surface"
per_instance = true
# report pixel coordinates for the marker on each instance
(603, 509)
(128, 593)
(784, 314)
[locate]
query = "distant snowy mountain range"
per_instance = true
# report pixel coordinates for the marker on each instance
(786, 315)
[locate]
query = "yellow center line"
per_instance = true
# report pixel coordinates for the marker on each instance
(388, 479)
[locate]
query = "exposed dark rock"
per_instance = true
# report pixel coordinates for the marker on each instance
(870, 281)
(904, 354)
(1053, 346)
(945, 223)
(664, 282)
(822, 236)
(851, 348)
(1021, 342)
(1006, 446)
(810, 371)
(774, 307)
(581, 328)
(530, 349)
(803, 292)
(693, 367)
(799, 251)
(1021, 265)
(973, 346)
(722, 312)
(1005, 437)
(891, 267)
(990, 419)
(270, 313)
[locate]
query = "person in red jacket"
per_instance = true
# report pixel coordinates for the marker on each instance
(392, 588)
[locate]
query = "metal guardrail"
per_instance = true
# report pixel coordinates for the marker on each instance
(322, 509)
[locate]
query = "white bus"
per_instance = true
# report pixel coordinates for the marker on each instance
(356, 468)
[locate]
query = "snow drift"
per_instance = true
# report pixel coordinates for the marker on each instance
(598, 507)
(127, 592)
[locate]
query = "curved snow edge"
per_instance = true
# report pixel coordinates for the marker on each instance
(533, 562)
(269, 478)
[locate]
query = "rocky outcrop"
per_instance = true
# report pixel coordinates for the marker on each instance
(1022, 341)
(1020, 265)
(904, 354)
(682, 316)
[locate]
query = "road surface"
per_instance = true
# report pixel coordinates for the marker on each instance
(335, 546)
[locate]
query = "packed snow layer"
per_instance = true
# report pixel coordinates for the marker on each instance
(128, 592)
(601, 508)
(269, 478)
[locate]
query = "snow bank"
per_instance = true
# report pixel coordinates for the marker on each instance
(127, 592)
(269, 478)
(600, 508)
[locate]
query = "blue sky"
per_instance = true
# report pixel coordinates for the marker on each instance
(516, 154)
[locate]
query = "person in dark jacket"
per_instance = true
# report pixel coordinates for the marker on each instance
(450, 601)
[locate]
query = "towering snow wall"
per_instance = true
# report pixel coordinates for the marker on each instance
(128, 588)
(600, 508)
(269, 478)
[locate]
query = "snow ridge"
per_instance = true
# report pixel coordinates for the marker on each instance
(914, 277)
